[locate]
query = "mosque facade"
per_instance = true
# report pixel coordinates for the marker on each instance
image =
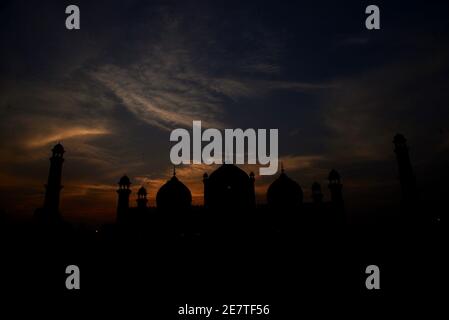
(229, 189)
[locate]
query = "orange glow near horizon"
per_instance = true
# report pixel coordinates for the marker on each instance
(97, 201)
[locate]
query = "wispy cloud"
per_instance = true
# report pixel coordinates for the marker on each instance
(173, 80)
(75, 132)
(166, 99)
(164, 103)
(295, 162)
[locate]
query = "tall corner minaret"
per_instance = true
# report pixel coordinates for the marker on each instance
(123, 192)
(406, 176)
(54, 186)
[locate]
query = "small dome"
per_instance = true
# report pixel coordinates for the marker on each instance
(174, 195)
(124, 181)
(58, 149)
(334, 175)
(142, 191)
(284, 192)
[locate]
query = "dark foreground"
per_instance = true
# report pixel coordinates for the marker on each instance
(307, 269)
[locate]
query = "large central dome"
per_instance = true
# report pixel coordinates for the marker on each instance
(228, 173)
(229, 187)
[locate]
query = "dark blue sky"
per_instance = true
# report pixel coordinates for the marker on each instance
(113, 90)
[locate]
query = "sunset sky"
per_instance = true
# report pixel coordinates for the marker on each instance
(112, 91)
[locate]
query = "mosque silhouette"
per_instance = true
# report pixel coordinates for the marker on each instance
(231, 243)
(229, 197)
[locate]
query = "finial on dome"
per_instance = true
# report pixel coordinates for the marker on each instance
(174, 171)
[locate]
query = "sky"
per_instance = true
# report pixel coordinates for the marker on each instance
(112, 92)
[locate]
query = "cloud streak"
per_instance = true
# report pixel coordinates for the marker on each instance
(64, 134)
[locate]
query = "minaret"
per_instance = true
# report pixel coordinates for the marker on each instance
(406, 175)
(317, 195)
(142, 198)
(252, 191)
(123, 198)
(337, 202)
(206, 189)
(53, 186)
